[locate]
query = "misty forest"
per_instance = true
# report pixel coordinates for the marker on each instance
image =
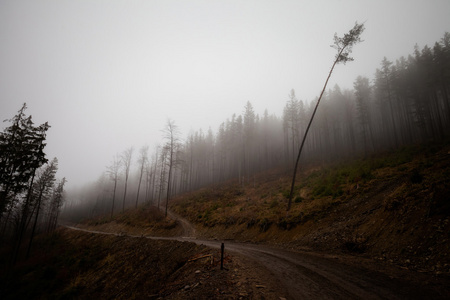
(235, 183)
(407, 103)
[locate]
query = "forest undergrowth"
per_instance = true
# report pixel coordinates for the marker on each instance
(392, 207)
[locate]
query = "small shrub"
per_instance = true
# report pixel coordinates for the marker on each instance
(402, 168)
(170, 225)
(416, 177)
(206, 216)
(286, 193)
(354, 247)
(392, 204)
(327, 189)
(251, 223)
(366, 174)
(298, 199)
(356, 244)
(230, 221)
(283, 224)
(264, 224)
(273, 204)
(238, 193)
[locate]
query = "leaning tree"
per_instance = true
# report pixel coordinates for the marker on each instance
(344, 46)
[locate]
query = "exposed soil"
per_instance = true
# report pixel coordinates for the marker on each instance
(82, 265)
(264, 272)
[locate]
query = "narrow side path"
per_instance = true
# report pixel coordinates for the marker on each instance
(188, 229)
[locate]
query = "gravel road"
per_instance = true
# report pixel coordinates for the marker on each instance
(308, 275)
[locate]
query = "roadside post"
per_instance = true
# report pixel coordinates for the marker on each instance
(221, 256)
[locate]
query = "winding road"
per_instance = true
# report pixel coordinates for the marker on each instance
(306, 275)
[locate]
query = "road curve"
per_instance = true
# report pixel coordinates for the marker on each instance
(310, 276)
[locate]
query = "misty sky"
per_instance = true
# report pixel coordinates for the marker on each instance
(106, 75)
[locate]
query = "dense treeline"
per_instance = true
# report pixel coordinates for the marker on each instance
(30, 198)
(407, 102)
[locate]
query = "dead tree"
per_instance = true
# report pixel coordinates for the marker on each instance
(143, 158)
(171, 134)
(126, 161)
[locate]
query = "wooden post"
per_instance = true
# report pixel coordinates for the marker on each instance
(221, 256)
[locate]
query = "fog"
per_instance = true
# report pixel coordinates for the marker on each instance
(107, 75)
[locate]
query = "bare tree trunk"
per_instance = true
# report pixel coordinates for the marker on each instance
(142, 160)
(34, 225)
(114, 198)
(23, 222)
(341, 44)
(124, 194)
(304, 138)
(169, 176)
(139, 185)
(126, 158)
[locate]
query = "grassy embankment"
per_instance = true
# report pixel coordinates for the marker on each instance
(392, 207)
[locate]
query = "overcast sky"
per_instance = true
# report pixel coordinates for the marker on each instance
(107, 74)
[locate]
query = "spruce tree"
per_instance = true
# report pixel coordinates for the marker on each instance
(21, 153)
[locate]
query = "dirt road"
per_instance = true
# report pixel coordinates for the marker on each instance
(313, 276)
(305, 275)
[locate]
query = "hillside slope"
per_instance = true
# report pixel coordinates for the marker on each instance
(73, 264)
(393, 207)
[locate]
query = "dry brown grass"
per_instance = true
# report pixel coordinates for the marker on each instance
(393, 207)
